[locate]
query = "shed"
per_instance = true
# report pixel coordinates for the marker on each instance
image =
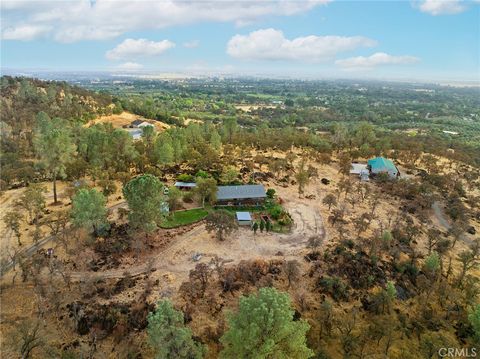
(383, 165)
(357, 168)
(244, 194)
(244, 218)
(185, 185)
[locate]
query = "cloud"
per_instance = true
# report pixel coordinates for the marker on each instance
(442, 7)
(24, 33)
(131, 49)
(377, 59)
(130, 66)
(75, 20)
(191, 44)
(271, 44)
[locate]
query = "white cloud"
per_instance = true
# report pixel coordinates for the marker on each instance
(131, 48)
(191, 44)
(77, 20)
(271, 44)
(442, 7)
(24, 33)
(130, 66)
(377, 59)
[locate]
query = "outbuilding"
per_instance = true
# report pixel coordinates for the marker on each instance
(244, 218)
(185, 186)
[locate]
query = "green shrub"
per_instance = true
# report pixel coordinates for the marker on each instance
(185, 178)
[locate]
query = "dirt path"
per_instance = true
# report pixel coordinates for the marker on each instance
(242, 245)
(441, 219)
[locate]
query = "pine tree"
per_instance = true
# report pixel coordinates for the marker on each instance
(264, 328)
(168, 335)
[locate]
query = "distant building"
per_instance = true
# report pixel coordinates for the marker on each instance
(357, 168)
(382, 165)
(139, 123)
(360, 170)
(240, 195)
(136, 133)
(244, 218)
(186, 186)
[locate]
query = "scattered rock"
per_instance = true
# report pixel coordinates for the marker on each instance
(325, 181)
(471, 230)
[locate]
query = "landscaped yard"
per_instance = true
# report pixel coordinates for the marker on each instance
(182, 218)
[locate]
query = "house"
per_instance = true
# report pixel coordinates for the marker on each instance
(185, 186)
(240, 195)
(382, 165)
(139, 123)
(244, 218)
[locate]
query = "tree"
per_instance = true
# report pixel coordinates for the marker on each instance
(432, 263)
(216, 141)
(292, 271)
(302, 177)
(262, 225)
(33, 201)
(264, 328)
(329, 200)
(174, 197)
(26, 337)
(469, 260)
(255, 227)
(12, 221)
(168, 335)
(54, 146)
(206, 190)
(230, 127)
(271, 193)
(221, 222)
(88, 209)
(314, 242)
(268, 226)
(229, 175)
(146, 201)
(474, 319)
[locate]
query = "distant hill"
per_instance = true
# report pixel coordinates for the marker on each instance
(23, 98)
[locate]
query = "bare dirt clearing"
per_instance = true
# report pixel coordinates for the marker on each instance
(125, 118)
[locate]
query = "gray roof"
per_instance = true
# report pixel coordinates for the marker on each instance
(185, 184)
(241, 192)
(244, 216)
(357, 168)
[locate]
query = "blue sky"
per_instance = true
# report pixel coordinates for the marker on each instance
(424, 40)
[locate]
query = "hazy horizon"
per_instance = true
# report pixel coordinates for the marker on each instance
(427, 40)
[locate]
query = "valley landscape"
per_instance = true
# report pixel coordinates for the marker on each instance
(294, 203)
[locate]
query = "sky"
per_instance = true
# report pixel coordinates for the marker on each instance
(437, 40)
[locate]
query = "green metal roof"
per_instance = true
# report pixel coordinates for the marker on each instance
(381, 164)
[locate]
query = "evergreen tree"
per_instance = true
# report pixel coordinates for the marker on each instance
(264, 327)
(54, 146)
(146, 201)
(88, 209)
(168, 335)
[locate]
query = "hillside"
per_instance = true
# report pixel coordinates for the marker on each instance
(113, 245)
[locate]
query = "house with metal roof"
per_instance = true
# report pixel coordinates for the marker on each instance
(382, 165)
(239, 195)
(244, 218)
